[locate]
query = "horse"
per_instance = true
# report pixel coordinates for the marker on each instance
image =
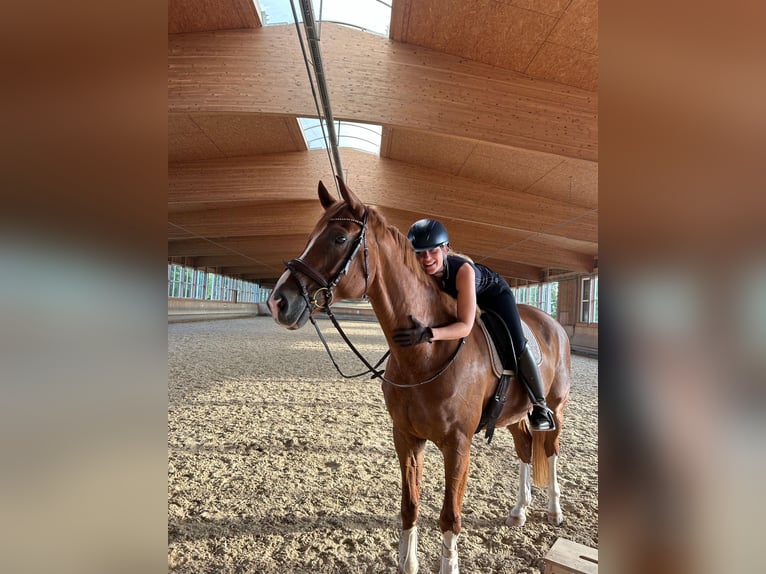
(433, 392)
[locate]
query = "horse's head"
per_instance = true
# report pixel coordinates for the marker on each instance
(333, 266)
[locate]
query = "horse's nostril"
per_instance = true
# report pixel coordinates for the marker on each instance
(275, 304)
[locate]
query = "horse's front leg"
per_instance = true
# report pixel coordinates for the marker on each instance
(410, 451)
(457, 456)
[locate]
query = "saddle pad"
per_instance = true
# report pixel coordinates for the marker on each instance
(497, 364)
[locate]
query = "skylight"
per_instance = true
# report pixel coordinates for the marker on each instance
(372, 16)
(364, 137)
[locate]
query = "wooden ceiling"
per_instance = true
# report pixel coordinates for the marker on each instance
(489, 112)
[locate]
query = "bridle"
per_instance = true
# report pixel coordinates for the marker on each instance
(327, 288)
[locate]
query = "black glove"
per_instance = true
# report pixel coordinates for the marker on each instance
(413, 336)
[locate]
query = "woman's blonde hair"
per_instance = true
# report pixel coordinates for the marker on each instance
(458, 254)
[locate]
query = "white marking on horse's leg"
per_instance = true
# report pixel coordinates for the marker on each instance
(408, 551)
(555, 516)
(449, 553)
(518, 514)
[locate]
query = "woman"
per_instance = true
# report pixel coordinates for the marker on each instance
(472, 284)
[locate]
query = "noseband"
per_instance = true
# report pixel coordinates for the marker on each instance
(326, 287)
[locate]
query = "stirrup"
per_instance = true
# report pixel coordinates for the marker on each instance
(541, 418)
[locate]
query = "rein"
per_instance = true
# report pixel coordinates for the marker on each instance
(326, 288)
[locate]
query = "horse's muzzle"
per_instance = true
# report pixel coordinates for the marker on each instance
(287, 306)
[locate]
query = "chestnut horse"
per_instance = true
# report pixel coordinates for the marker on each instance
(352, 251)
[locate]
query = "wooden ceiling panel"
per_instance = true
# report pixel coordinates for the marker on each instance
(250, 134)
(427, 149)
(509, 35)
(563, 179)
(187, 142)
(509, 168)
(550, 7)
(202, 15)
(474, 30)
(565, 65)
(571, 181)
(578, 27)
(199, 136)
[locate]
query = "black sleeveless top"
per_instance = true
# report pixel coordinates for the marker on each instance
(489, 283)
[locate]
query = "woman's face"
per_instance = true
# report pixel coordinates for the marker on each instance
(432, 260)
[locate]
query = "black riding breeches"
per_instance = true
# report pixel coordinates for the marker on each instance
(503, 303)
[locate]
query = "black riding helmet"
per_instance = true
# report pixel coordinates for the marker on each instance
(426, 234)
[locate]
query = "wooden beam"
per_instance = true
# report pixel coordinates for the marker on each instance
(386, 183)
(203, 15)
(270, 218)
(374, 80)
(284, 246)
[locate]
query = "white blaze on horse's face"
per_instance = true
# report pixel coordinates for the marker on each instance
(308, 248)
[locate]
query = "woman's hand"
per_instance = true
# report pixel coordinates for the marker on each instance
(406, 337)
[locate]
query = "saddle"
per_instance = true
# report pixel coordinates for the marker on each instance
(503, 359)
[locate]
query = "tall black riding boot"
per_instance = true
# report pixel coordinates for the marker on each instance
(541, 417)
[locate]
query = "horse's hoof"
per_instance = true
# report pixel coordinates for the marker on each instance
(516, 520)
(555, 518)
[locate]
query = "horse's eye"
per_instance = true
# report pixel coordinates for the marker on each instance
(340, 239)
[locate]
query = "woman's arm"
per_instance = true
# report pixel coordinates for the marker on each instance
(466, 307)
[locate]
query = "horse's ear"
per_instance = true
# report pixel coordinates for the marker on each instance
(349, 197)
(324, 196)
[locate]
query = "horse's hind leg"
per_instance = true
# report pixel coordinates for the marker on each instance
(410, 451)
(522, 440)
(551, 445)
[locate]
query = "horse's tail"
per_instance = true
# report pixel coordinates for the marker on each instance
(540, 473)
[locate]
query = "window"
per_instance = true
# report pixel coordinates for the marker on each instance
(543, 296)
(188, 283)
(589, 299)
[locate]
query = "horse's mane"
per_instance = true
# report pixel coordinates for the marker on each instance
(410, 260)
(403, 244)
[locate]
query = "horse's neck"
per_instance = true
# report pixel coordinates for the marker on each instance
(398, 292)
